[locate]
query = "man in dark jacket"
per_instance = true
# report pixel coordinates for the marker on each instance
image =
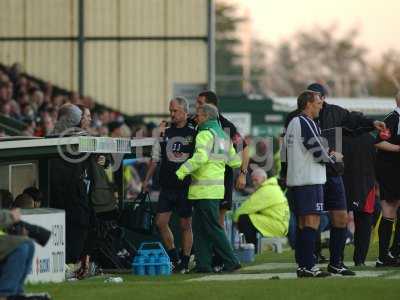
(332, 119)
(70, 186)
(359, 182)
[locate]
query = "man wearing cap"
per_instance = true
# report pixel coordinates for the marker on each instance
(332, 117)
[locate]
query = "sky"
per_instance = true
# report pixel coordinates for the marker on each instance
(378, 21)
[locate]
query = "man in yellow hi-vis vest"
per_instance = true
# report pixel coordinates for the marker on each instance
(213, 150)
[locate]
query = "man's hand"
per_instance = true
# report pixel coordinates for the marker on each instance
(145, 186)
(337, 155)
(379, 125)
(15, 215)
(241, 181)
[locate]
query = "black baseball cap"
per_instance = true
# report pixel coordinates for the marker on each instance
(319, 88)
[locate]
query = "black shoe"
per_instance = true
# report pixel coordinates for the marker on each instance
(37, 296)
(218, 268)
(181, 268)
(201, 271)
(312, 273)
(299, 271)
(359, 264)
(341, 270)
(387, 262)
(231, 269)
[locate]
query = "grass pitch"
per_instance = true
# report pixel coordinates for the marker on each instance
(385, 286)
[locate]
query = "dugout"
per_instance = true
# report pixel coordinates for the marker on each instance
(24, 161)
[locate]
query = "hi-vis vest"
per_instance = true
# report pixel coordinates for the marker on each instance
(213, 150)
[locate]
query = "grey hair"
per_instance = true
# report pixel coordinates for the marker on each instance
(210, 110)
(259, 173)
(69, 116)
(182, 102)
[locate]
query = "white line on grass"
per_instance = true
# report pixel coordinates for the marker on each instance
(274, 266)
(264, 276)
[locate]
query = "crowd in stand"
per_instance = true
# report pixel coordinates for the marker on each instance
(35, 103)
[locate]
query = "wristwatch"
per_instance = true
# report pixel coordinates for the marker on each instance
(244, 172)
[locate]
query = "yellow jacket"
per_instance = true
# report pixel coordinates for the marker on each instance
(267, 208)
(213, 150)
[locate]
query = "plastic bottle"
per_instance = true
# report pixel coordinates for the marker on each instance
(150, 267)
(236, 240)
(138, 265)
(114, 280)
(164, 266)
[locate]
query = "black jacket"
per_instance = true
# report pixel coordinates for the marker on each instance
(69, 191)
(359, 176)
(352, 124)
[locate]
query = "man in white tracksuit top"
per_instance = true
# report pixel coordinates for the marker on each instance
(306, 157)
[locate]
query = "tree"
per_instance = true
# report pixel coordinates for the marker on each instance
(386, 75)
(227, 60)
(322, 55)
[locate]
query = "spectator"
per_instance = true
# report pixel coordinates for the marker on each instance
(70, 184)
(6, 199)
(24, 201)
(115, 129)
(36, 195)
(16, 254)
(4, 96)
(266, 211)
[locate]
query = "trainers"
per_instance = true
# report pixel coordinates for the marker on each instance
(388, 262)
(340, 270)
(33, 296)
(313, 272)
(181, 269)
(218, 269)
(232, 269)
(299, 271)
(184, 271)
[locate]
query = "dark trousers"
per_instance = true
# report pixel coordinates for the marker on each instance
(362, 235)
(209, 235)
(247, 228)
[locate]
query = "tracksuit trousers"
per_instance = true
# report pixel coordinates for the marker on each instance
(209, 235)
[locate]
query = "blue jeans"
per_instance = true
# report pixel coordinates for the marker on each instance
(14, 269)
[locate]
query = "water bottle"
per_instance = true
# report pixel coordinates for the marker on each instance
(157, 265)
(236, 239)
(150, 267)
(138, 265)
(164, 266)
(114, 280)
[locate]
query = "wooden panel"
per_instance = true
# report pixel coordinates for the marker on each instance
(101, 17)
(53, 61)
(11, 18)
(51, 18)
(101, 77)
(143, 77)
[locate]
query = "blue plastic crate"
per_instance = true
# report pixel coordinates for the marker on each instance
(151, 259)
